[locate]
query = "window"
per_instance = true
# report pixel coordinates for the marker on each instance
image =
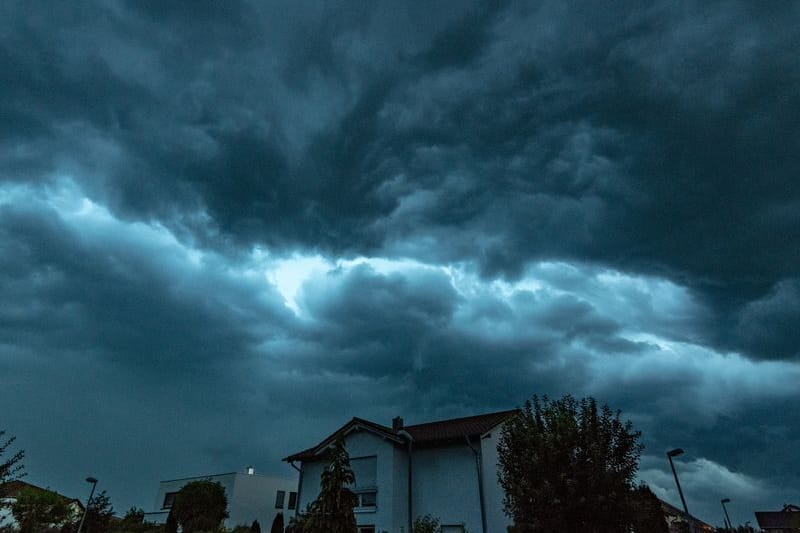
(366, 529)
(292, 500)
(169, 499)
(367, 498)
(279, 497)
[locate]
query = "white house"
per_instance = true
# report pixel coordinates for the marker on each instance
(250, 496)
(447, 469)
(8, 496)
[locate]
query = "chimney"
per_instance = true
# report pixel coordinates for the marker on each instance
(250, 470)
(397, 424)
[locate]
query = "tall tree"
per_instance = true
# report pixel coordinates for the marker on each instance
(11, 466)
(567, 465)
(332, 511)
(200, 506)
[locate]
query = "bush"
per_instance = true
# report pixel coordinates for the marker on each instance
(427, 524)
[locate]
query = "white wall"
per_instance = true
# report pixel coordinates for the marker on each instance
(250, 497)
(254, 499)
(445, 483)
(391, 502)
(400, 490)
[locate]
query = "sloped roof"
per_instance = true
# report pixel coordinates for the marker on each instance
(789, 518)
(671, 510)
(427, 433)
(454, 428)
(12, 488)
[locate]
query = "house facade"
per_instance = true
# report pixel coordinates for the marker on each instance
(250, 496)
(446, 469)
(8, 496)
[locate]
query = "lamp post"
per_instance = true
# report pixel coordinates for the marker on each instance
(728, 518)
(670, 454)
(93, 481)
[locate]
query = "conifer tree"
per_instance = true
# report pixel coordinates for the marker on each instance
(332, 511)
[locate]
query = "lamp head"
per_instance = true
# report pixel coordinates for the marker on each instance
(674, 453)
(725, 500)
(91, 479)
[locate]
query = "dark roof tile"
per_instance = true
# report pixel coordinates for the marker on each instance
(457, 428)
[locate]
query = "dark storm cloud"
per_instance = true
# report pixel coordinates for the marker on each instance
(109, 294)
(768, 326)
(634, 165)
(659, 143)
(415, 328)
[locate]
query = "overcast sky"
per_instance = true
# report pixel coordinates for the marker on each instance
(226, 228)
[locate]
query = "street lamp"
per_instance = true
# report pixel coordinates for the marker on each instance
(93, 481)
(670, 454)
(728, 518)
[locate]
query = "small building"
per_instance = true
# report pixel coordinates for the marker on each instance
(251, 496)
(784, 521)
(447, 469)
(679, 522)
(8, 496)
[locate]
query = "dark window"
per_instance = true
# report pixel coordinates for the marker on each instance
(292, 500)
(169, 499)
(367, 499)
(279, 499)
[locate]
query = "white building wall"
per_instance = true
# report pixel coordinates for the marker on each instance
(254, 499)
(363, 444)
(312, 474)
(250, 497)
(445, 485)
(400, 491)
(159, 514)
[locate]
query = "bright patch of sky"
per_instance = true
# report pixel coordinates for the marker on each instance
(640, 304)
(700, 476)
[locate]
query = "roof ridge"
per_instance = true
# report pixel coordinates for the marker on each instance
(462, 418)
(377, 425)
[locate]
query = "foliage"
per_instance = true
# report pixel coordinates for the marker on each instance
(133, 522)
(297, 523)
(426, 524)
(567, 465)
(277, 524)
(98, 514)
(241, 528)
(11, 468)
(37, 509)
(648, 516)
(255, 527)
(133, 516)
(200, 506)
(171, 525)
(332, 511)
